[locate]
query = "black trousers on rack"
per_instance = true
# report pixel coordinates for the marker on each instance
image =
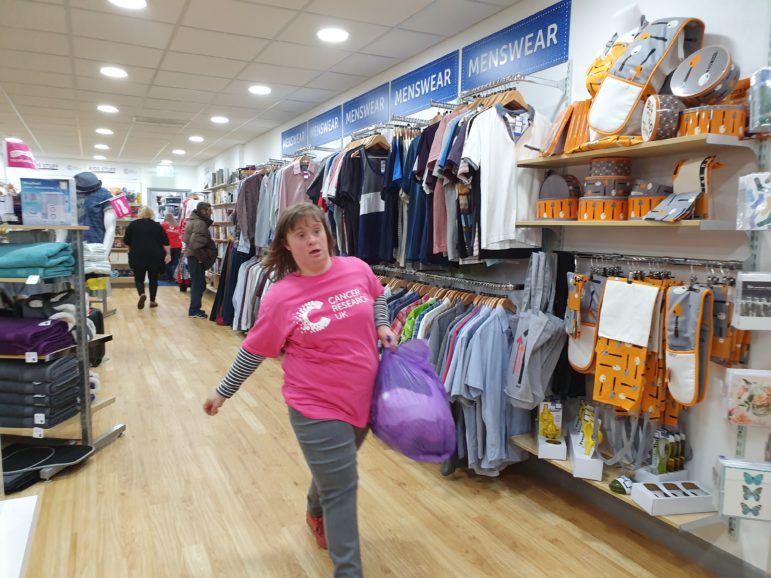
(152, 272)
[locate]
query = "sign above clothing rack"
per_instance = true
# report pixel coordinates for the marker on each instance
(367, 109)
(437, 80)
(326, 127)
(539, 41)
(294, 138)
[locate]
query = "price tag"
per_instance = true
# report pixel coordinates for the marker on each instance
(382, 166)
(33, 280)
(40, 419)
(37, 432)
(30, 357)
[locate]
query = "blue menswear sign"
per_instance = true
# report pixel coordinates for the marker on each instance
(365, 110)
(537, 42)
(437, 80)
(294, 138)
(326, 127)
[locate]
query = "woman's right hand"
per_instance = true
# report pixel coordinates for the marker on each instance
(213, 404)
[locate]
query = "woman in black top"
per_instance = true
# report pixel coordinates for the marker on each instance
(148, 253)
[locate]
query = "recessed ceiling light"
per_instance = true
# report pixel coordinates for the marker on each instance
(105, 131)
(99, 158)
(334, 35)
(166, 162)
(195, 139)
(13, 139)
(178, 152)
(101, 147)
(260, 89)
(113, 72)
(108, 108)
(220, 119)
(130, 4)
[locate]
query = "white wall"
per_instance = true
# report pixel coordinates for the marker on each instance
(136, 177)
(743, 28)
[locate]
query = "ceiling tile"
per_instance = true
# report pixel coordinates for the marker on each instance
(209, 43)
(365, 65)
(315, 95)
(164, 11)
(295, 106)
(105, 86)
(336, 81)
(167, 114)
(120, 28)
(119, 100)
(241, 87)
(455, 16)
(303, 30)
(46, 102)
(179, 94)
(293, 4)
(268, 74)
(33, 61)
(197, 64)
(116, 52)
(172, 104)
(278, 115)
(243, 100)
(401, 43)
(319, 58)
(33, 16)
(90, 69)
(237, 17)
(388, 13)
(36, 77)
(32, 41)
(502, 3)
(16, 90)
(194, 81)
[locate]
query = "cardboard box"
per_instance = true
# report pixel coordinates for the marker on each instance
(587, 467)
(645, 475)
(672, 498)
(552, 449)
(49, 202)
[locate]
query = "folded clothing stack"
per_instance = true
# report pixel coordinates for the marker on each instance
(20, 336)
(39, 395)
(49, 260)
(95, 259)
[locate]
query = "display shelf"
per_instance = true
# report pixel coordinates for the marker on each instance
(222, 224)
(557, 223)
(61, 352)
(220, 187)
(223, 205)
(528, 443)
(41, 281)
(121, 281)
(9, 227)
(25, 431)
(672, 146)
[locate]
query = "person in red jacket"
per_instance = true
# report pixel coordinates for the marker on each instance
(171, 226)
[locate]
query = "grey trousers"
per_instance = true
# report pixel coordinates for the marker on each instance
(329, 447)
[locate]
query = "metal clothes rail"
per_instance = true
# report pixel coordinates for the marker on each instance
(673, 261)
(448, 281)
(410, 120)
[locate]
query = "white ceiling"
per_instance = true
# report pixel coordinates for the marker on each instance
(188, 60)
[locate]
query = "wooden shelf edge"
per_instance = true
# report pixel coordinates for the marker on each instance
(11, 227)
(528, 443)
(101, 338)
(220, 187)
(557, 223)
(42, 281)
(677, 145)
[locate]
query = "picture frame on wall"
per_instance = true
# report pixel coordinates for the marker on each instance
(753, 301)
(749, 397)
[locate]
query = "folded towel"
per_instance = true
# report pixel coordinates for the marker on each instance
(14, 255)
(18, 336)
(51, 419)
(33, 390)
(97, 267)
(44, 374)
(10, 402)
(44, 272)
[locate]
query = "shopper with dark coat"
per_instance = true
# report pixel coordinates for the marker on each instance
(149, 252)
(201, 252)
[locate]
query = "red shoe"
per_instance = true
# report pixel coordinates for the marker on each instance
(316, 524)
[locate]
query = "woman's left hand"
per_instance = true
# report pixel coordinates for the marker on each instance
(387, 337)
(167, 259)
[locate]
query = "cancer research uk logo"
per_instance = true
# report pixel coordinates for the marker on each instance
(339, 304)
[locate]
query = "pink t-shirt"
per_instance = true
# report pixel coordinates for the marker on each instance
(326, 326)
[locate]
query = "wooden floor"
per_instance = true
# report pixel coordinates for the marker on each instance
(186, 495)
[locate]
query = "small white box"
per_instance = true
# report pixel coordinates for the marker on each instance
(645, 475)
(753, 301)
(552, 449)
(671, 498)
(587, 467)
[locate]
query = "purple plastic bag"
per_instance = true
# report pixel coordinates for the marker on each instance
(410, 411)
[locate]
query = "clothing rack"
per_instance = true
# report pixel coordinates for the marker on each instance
(673, 261)
(421, 122)
(370, 130)
(511, 81)
(444, 105)
(309, 149)
(447, 281)
(279, 162)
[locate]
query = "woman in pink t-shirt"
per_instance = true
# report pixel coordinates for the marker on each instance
(326, 314)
